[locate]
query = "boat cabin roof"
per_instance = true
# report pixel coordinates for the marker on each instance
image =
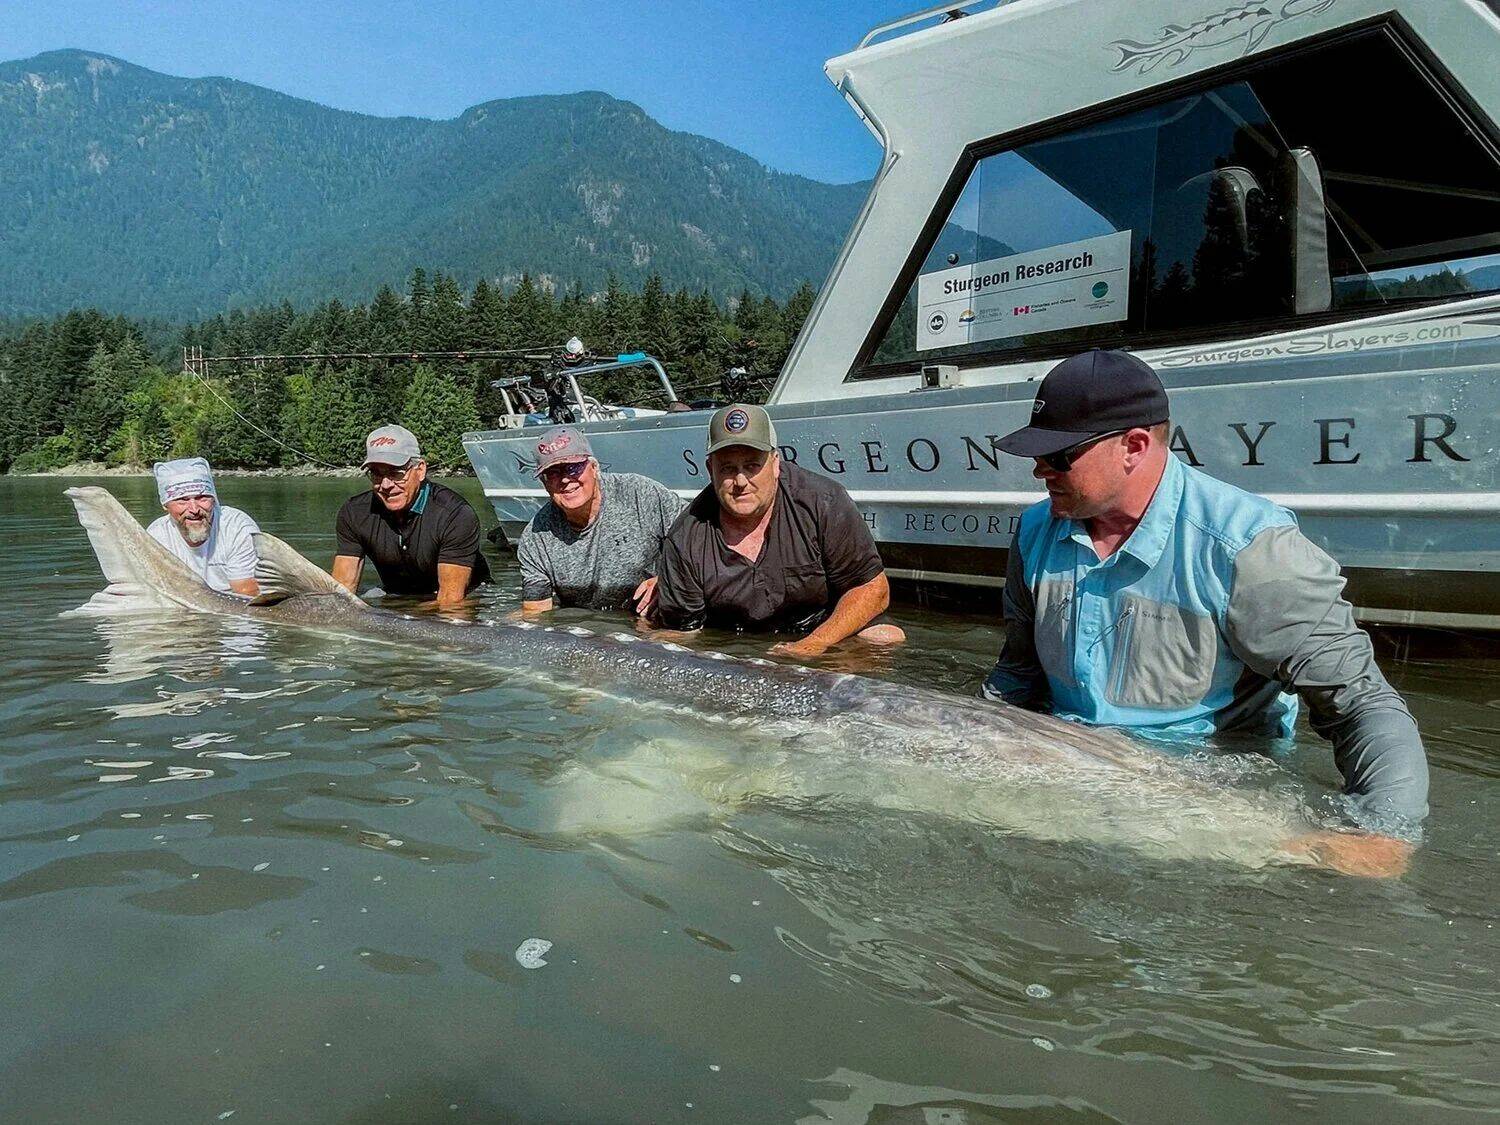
(1008, 74)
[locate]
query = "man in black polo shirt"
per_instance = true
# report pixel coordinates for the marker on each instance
(422, 537)
(769, 546)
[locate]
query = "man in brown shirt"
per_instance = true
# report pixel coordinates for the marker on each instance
(771, 547)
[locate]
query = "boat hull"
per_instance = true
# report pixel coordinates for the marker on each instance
(1383, 440)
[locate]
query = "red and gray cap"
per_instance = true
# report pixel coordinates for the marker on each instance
(739, 424)
(1097, 392)
(391, 445)
(561, 445)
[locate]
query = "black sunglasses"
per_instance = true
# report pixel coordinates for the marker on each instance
(1062, 460)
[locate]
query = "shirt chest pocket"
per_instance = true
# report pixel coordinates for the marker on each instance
(806, 585)
(1053, 630)
(1163, 658)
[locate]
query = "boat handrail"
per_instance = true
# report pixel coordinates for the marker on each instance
(953, 9)
(619, 363)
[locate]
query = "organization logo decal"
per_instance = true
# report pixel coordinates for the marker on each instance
(1036, 407)
(966, 317)
(736, 421)
(937, 322)
(1100, 289)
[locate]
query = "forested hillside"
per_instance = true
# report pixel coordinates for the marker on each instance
(156, 196)
(86, 386)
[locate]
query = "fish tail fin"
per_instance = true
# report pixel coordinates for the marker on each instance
(121, 545)
(282, 573)
(1132, 52)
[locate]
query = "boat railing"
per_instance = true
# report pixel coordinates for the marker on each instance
(575, 405)
(619, 363)
(951, 11)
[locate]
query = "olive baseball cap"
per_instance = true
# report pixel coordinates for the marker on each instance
(739, 424)
(1097, 392)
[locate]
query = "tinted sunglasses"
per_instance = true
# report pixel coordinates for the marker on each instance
(559, 473)
(378, 473)
(1062, 460)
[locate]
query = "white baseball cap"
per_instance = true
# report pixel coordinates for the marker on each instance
(391, 445)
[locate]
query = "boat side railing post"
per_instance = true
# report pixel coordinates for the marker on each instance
(947, 9)
(619, 363)
(583, 410)
(661, 374)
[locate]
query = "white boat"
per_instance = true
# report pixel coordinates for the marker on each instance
(1289, 208)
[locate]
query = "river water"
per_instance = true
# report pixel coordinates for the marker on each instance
(260, 875)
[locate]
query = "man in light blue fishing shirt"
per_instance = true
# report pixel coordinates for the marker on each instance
(1145, 594)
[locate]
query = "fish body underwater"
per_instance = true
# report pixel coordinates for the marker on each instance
(142, 575)
(880, 745)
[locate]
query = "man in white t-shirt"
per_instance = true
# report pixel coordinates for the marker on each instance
(214, 540)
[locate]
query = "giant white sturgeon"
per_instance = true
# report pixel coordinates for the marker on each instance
(867, 714)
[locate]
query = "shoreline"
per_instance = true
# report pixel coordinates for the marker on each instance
(99, 469)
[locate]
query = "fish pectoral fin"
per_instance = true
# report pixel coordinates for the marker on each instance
(281, 572)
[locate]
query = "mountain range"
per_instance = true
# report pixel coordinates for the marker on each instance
(151, 195)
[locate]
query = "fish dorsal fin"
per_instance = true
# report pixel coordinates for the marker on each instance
(282, 573)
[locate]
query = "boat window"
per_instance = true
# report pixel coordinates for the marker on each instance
(1337, 181)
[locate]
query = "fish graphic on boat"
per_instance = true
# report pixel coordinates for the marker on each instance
(1251, 22)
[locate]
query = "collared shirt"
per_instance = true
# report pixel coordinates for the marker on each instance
(228, 554)
(817, 548)
(1208, 618)
(438, 527)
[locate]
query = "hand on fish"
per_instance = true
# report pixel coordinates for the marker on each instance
(644, 597)
(804, 649)
(1354, 853)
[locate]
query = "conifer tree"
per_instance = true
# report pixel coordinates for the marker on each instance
(417, 295)
(386, 329)
(100, 407)
(794, 312)
(658, 332)
(445, 324)
(746, 313)
(487, 327)
(532, 311)
(619, 320)
(439, 410)
(327, 413)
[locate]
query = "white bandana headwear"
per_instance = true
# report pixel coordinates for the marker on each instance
(189, 476)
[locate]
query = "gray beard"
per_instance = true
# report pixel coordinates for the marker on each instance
(196, 535)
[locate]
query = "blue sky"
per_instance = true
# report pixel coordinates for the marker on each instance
(745, 72)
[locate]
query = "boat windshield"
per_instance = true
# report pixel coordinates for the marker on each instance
(1338, 180)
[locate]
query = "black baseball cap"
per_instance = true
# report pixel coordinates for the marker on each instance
(1096, 392)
